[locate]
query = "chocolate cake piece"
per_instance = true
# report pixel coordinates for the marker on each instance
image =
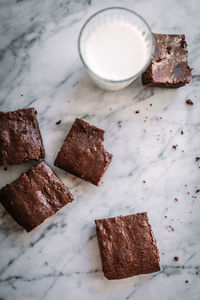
(34, 196)
(83, 153)
(169, 67)
(20, 138)
(127, 246)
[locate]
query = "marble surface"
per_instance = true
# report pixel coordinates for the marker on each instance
(40, 68)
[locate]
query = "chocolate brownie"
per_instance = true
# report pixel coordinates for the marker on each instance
(20, 138)
(169, 66)
(83, 153)
(127, 246)
(34, 196)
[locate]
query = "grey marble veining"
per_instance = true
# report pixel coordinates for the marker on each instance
(40, 68)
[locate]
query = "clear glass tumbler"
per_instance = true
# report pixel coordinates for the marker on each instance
(109, 15)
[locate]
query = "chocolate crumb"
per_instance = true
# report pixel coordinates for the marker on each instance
(176, 258)
(144, 181)
(5, 168)
(119, 123)
(176, 199)
(189, 101)
(182, 132)
(165, 217)
(174, 146)
(197, 191)
(22, 95)
(197, 273)
(57, 123)
(160, 118)
(110, 108)
(137, 111)
(150, 104)
(197, 158)
(186, 281)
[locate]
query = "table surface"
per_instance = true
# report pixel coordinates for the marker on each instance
(40, 68)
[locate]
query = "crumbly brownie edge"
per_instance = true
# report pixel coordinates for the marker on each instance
(42, 150)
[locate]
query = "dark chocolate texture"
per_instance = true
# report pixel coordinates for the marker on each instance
(127, 246)
(169, 66)
(20, 138)
(34, 196)
(83, 153)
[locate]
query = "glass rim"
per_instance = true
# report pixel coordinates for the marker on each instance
(111, 80)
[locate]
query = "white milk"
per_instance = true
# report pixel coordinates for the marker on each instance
(116, 51)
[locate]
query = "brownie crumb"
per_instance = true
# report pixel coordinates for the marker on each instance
(176, 199)
(186, 281)
(197, 158)
(137, 111)
(165, 217)
(144, 181)
(58, 122)
(176, 258)
(5, 168)
(174, 146)
(189, 101)
(197, 191)
(119, 123)
(182, 132)
(150, 104)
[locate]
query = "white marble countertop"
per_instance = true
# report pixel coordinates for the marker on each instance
(40, 68)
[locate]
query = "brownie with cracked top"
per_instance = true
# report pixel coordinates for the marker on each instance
(20, 138)
(169, 66)
(127, 246)
(34, 196)
(83, 153)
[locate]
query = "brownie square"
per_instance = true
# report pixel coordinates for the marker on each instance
(169, 67)
(127, 246)
(20, 138)
(83, 153)
(34, 196)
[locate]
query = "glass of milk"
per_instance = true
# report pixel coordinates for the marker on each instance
(115, 45)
